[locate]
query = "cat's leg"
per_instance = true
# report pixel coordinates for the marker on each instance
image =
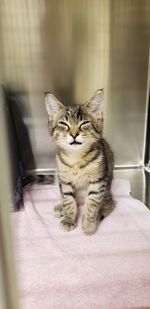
(93, 206)
(108, 204)
(91, 215)
(58, 210)
(69, 207)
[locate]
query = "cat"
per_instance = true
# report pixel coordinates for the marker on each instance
(84, 160)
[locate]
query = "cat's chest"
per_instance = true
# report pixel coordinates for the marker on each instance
(81, 176)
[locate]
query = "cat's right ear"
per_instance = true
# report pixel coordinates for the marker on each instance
(53, 106)
(95, 105)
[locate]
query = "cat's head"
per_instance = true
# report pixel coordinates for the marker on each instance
(75, 127)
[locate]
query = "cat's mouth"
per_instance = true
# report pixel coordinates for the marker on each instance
(75, 143)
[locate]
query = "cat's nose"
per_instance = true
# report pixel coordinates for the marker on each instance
(74, 134)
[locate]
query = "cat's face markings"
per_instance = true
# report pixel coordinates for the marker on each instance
(75, 126)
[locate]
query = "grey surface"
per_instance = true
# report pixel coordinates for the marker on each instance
(71, 48)
(129, 52)
(137, 181)
(8, 293)
(147, 188)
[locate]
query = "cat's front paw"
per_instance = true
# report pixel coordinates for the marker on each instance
(67, 224)
(58, 210)
(89, 228)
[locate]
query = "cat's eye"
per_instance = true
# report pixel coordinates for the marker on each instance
(63, 124)
(85, 125)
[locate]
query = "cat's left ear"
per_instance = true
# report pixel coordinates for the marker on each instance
(95, 105)
(53, 105)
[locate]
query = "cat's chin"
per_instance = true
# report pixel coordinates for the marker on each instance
(75, 146)
(75, 143)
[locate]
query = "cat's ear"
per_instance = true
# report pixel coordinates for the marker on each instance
(53, 106)
(95, 105)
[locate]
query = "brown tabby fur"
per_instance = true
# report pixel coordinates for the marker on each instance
(84, 159)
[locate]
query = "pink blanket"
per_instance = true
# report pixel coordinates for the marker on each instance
(68, 270)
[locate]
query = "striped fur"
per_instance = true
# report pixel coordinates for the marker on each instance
(84, 159)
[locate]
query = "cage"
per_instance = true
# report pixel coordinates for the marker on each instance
(71, 48)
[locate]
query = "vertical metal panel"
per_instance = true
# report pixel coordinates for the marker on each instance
(129, 51)
(8, 293)
(147, 125)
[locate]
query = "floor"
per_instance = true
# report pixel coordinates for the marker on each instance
(69, 270)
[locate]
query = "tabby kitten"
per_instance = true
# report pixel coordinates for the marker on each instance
(84, 160)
